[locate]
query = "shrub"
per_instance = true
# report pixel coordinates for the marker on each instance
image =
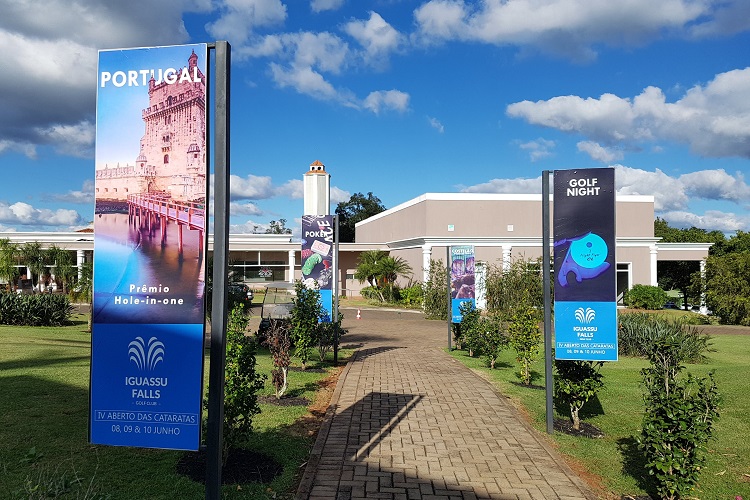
(492, 339)
(413, 295)
(645, 297)
(468, 332)
(278, 343)
(44, 309)
(638, 332)
(242, 382)
(517, 287)
(327, 336)
(305, 316)
(575, 383)
(436, 292)
(525, 338)
(678, 421)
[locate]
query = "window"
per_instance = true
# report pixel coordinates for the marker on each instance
(166, 159)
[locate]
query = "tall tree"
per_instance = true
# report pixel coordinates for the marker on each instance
(358, 208)
(681, 275)
(278, 227)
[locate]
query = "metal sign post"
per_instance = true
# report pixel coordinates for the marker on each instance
(214, 437)
(548, 381)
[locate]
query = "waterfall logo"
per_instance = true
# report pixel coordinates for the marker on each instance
(585, 316)
(146, 357)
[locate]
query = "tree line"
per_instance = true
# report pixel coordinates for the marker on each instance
(726, 283)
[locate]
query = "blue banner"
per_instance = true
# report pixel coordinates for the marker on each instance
(147, 341)
(585, 265)
(317, 258)
(462, 279)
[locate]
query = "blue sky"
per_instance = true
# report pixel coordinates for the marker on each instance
(403, 97)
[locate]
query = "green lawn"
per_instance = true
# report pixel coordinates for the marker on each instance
(618, 412)
(43, 428)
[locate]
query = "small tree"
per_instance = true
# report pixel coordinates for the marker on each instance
(279, 344)
(525, 338)
(305, 316)
(575, 383)
(678, 421)
(242, 382)
(327, 336)
(436, 292)
(468, 332)
(493, 339)
(514, 288)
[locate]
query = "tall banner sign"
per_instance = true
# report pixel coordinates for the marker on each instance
(462, 279)
(585, 265)
(317, 258)
(149, 251)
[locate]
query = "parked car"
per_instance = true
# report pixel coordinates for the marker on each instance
(240, 293)
(278, 302)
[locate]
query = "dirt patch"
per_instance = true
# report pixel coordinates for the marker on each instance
(585, 429)
(309, 425)
(243, 466)
(283, 401)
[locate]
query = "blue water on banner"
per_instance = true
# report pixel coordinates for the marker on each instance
(145, 393)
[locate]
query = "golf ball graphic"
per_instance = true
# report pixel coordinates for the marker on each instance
(589, 251)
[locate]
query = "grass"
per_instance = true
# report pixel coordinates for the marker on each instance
(618, 412)
(44, 376)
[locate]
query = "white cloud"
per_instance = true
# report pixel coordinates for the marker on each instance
(566, 27)
(49, 38)
(672, 195)
(506, 186)
(24, 214)
(538, 149)
(387, 100)
(338, 195)
(252, 187)
(323, 5)
(240, 18)
(598, 152)
(713, 120)
(236, 208)
(435, 123)
(378, 38)
(727, 18)
(725, 222)
(84, 196)
(293, 188)
(717, 185)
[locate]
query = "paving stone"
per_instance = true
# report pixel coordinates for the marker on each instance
(409, 422)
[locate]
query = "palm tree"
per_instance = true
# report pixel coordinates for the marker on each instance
(8, 256)
(367, 266)
(63, 261)
(85, 287)
(390, 268)
(34, 257)
(380, 270)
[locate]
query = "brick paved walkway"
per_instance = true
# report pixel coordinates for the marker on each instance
(408, 422)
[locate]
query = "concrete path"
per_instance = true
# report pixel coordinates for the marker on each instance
(408, 422)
